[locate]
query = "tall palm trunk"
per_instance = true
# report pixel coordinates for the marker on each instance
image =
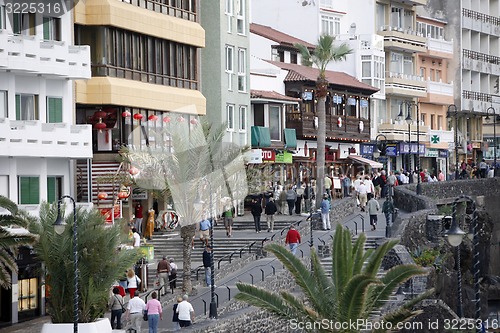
(187, 234)
(321, 91)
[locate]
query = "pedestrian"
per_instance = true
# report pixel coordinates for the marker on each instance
(373, 208)
(277, 194)
(256, 210)
(383, 184)
(116, 306)
(325, 207)
(283, 202)
(391, 182)
(133, 282)
(291, 197)
(205, 226)
(186, 312)
(138, 217)
(136, 238)
(175, 317)
(388, 210)
(298, 202)
(376, 184)
(228, 220)
(483, 168)
(270, 211)
(362, 195)
(441, 176)
(150, 224)
(207, 264)
(308, 196)
(172, 277)
(162, 273)
(134, 314)
(292, 239)
(328, 186)
(155, 312)
(346, 185)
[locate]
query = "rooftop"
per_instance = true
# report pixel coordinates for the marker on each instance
(277, 36)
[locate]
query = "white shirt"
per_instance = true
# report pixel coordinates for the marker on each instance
(173, 266)
(132, 282)
(136, 305)
(184, 310)
(362, 189)
(369, 186)
(137, 239)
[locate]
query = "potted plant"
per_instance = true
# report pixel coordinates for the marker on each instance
(100, 263)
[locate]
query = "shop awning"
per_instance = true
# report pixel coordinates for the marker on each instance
(261, 137)
(366, 161)
(290, 138)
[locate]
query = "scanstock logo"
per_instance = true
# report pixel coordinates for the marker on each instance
(24, 15)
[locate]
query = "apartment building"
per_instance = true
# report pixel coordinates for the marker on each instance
(225, 67)
(145, 76)
(39, 140)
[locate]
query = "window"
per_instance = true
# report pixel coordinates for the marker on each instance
(3, 104)
(408, 65)
(396, 62)
(438, 75)
(432, 121)
(230, 116)
(431, 74)
(54, 188)
(275, 122)
(242, 68)
(26, 107)
(229, 15)
(51, 28)
(2, 17)
(4, 185)
(381, 16)
(229, 66)
(440, 123)
(281, 56)
(430, 31)
(422, 72)
(54, 110)
(28, 294)
(293, 57)
(29, 190)
(240, 17)
(24, 24)
(243, 118)
(330, 25)
(326, 3)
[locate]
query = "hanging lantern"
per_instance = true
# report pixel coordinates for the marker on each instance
(123, 195)
(100, 114)
(102, 196)
(133, 171)
(339, 122)
(166, 119)
(194, 121)
(100, 126)
(125, 114)
(153, 117)
(181, 119)
(138, 116)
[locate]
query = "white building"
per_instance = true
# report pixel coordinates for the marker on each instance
(38, 136)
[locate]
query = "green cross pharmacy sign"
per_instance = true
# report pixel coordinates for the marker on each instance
(435, 139)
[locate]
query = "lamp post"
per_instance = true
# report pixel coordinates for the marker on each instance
(379, 147)
(59, 226)
(213, 304)
(494, 138)
(455, 114)
(409, 120)
(455, 236)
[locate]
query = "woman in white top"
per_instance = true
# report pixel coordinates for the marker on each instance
(133, 282)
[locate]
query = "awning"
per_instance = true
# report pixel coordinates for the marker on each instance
(290, 138)
(366, 161)
(261, 137)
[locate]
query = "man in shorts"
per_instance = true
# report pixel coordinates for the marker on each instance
(228, 220)
(205, 231)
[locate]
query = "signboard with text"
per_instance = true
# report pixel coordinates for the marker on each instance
(268, 156)
(284, 157)
(391, 149)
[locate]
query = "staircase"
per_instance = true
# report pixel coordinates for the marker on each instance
(102, 171)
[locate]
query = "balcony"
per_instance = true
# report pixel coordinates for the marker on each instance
(481, 62)
(29, 54)
(480, 22)
(477, 101)
(440, 47)
(37, 139)
(413, 2)
(406, 85)
(306, 128)
(400, 39)
(399, 132)
(439, 93)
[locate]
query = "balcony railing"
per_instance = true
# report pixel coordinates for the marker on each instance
(403, 76)
(440, 88)
(399, 29)
(440, 45)
(165, 8)
(481, 57)
(480, 16)
(478, 96)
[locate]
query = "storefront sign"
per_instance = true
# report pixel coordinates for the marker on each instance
(431, 152)
(443, 153)
(268, 156)
(139, 194)
(284, 157)
(391, 149)
(404, 148)
(421, 150)
(254, 156)
(476, 145)
(112, 213)
(366, 149)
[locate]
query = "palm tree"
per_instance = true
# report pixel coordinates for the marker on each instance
(10, 242)
(324, 53)
(353, 292)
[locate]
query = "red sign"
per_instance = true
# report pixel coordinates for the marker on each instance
(111, 214)
(268, 155)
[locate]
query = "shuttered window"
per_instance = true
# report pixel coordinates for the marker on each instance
(54, 110)
(29, 190)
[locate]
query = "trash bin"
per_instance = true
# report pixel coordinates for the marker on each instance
(141, 270)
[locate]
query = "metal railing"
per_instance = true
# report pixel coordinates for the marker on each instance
(164, 8)
(480, 16)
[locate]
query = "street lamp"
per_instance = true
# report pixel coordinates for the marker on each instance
(455, 236)
(199, 204)
(379, 146)
(449, 115)
(494, 137)
(409, 120)
(59, 226)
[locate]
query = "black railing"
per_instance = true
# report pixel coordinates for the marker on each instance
(481, 57)
(480, 16)
(165, 8)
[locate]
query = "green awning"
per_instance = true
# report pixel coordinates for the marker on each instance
(261, 138)
(290, 138)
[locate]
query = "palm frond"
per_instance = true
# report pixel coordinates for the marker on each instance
(305, 55)
(358, 254)
(354, 297)
(376, 258)
(8, 204)
(264, 299)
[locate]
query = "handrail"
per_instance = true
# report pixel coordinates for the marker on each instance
(362, 222)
